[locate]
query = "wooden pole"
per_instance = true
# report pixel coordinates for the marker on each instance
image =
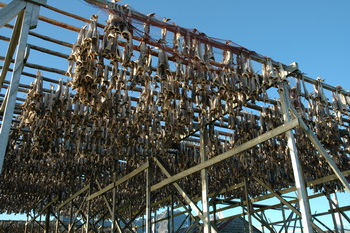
(148, 198)
(172, 214)
(204, 179)
(339, 214)
(29, 21)
(47, 218)
(333, 214)
(297, 170)
(249, 207)
(88, 216)
(284, 218)
(113, 226)
(12, 46)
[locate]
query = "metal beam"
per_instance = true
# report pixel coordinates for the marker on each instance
(260, 139)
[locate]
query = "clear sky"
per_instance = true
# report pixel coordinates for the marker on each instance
(316, 34)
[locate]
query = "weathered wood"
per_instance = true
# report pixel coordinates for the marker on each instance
(266, 136)
(317, 144)
(297, 169)
(74, 16)
(15, 79)
(204, 178)
(347, 208)
(148, 199)
(11, 10)
(71, 198)
(248, 204)
(43, 68)
(12, 46)
(59, 24)
(285, 202)
(120, 181)
(194, 207)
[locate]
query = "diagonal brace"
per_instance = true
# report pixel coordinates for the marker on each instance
(297, 212)
(321, 149)
(182, 192)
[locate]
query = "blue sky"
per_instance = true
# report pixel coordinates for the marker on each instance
(313, 33)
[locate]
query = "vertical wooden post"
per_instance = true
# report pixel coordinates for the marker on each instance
(148, 197)
(249, 209)
(70, 226)
(30, 19)
(168, 219)
(32, 228)
(263, 217)
(26, 225)
(333, 215)
(113, 225)
(155, 221)
(190, 213)
(204, 179)
(39, 219)
(88, 212)
(214, 207)
(172, 214)
(57, 222)
(143, 223)
(297, 170)
(338, 216)
(284, 218)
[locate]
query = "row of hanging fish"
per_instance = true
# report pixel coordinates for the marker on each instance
(128, 102)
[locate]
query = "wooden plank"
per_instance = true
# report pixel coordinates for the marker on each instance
(266, 136)
(317, 144)
(71, 198)
(10, 11)
(118, 182)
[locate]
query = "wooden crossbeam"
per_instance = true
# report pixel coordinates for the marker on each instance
(86, 188)
(297, 212)
(120, 181)
(264, 137)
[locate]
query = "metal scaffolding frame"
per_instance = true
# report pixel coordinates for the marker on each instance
(82, 216)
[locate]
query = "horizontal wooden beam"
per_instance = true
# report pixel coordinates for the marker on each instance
(73, 196)
(118, 182)
(266, 136)
(11, 10)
